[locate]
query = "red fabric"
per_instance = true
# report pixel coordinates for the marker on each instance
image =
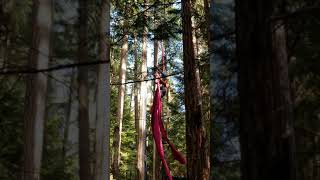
(163, 58)
(159, 132)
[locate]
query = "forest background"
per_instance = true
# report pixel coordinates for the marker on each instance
(79, 34)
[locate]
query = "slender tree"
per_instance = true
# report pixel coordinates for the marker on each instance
(136, 85)
(197, 156)
(36, 90)
(141, 143)
(266, 132)
(120, 105)
(83, 92)
(103, 101)
(67, 121)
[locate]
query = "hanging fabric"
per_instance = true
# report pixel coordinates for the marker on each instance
(158, 129)
(159, 132)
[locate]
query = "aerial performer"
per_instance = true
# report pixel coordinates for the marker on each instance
(158, 129)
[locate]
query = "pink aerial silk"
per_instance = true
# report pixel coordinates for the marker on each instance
(158, 130)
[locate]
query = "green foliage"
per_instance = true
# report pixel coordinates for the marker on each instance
(167, 23)
(56, 164)
(128, 148)
(11, 127)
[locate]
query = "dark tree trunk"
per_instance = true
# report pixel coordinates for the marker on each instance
(266, 132)
(197, 155)
(36, 90)
(84, 145)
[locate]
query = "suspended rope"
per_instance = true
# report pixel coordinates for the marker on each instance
(158, 129)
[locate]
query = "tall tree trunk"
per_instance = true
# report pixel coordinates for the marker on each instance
(102, 157)
(266, 132)
(36, 90)
(156, 160)
(84, 144)
(141, 144)
(204, 71)
(197, 160)
(136, 85)
(120, 105)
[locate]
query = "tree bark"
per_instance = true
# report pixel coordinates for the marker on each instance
(36, 90)
(197, 156)
(102, 155)
(194, 38)
(266, 131)
(83, 92)
(120, 105)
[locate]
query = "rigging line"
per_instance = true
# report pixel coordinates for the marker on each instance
(64, 83)
(31, 70)
(54, 68)
(60, 67)
(144, 80)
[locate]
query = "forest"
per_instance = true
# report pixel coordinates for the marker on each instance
(159, 89)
